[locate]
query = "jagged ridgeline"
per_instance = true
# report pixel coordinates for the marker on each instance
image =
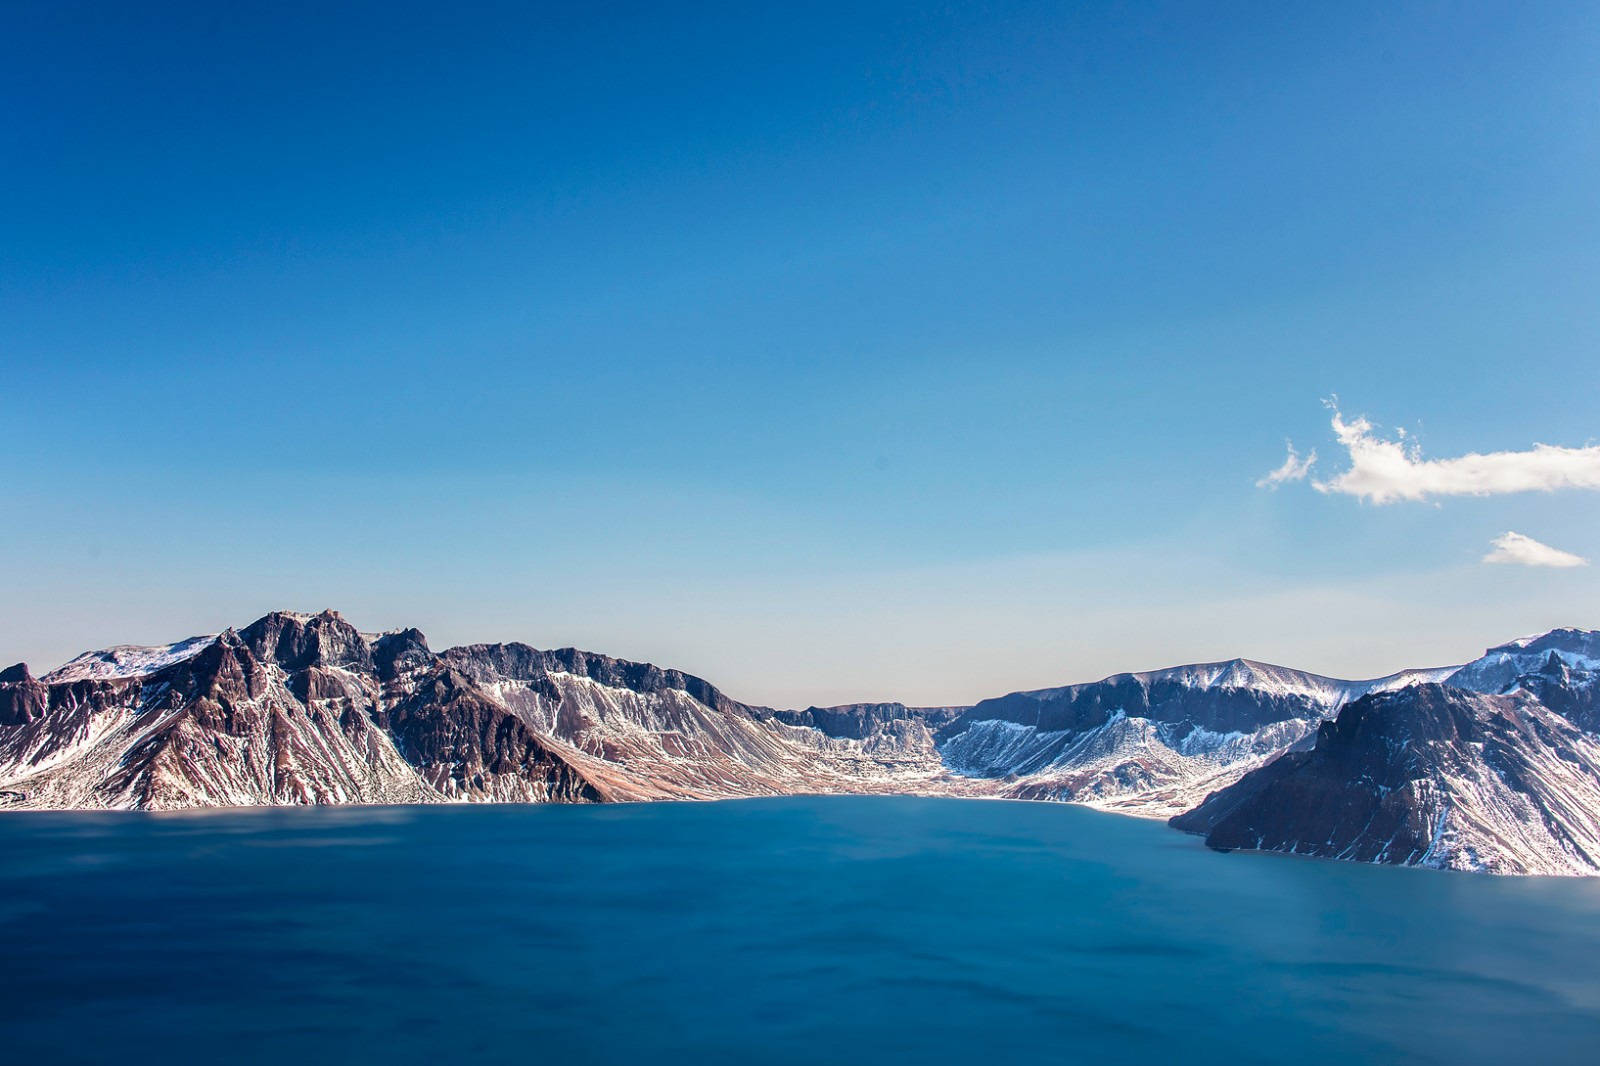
(301, 709)
(305, 709)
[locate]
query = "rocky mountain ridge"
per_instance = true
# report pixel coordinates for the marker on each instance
(299, 708)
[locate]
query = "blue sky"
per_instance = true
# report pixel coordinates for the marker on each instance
(843, 352)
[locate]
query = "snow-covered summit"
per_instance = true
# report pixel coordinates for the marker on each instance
(128, 660)
(1500, 667)
(1253, 675)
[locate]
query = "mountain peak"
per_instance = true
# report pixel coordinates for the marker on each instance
(295, 641)
(1501, 667)
(1566, 638)
(399, 651)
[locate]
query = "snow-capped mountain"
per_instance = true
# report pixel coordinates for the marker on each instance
(1561, 668)
(1491, 765)
(1152, 743)
(1502, 667)
(1496, 769)
(298, 708)
(1427, 776)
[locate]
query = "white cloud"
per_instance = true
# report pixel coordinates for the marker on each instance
(1294, 468)
(1383, 471)
(1525, 551)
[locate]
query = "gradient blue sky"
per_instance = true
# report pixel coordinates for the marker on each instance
(836, 352)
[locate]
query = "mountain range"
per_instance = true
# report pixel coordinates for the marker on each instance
(1492, 765)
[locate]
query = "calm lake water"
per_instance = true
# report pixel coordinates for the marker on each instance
(814, 930)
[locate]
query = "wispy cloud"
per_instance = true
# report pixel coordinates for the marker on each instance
(1525, 551)
(1294, 468)
(1384, 471)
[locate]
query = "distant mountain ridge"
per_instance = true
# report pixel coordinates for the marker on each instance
(304, 708)
(1153, 742)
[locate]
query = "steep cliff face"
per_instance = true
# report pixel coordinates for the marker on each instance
(1428, 776)
(464, 745)
(650, 733)
(292, 709)
(1494, 770)
(45, 725)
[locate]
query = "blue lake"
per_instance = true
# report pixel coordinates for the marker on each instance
(804, 930)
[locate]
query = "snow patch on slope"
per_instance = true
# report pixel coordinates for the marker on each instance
(127, 660)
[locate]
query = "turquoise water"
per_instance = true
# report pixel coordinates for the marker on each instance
(811, 930)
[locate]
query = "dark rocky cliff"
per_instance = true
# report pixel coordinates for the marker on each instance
(1429, 775)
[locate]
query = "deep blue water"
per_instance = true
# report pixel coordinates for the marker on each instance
(813, 930)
